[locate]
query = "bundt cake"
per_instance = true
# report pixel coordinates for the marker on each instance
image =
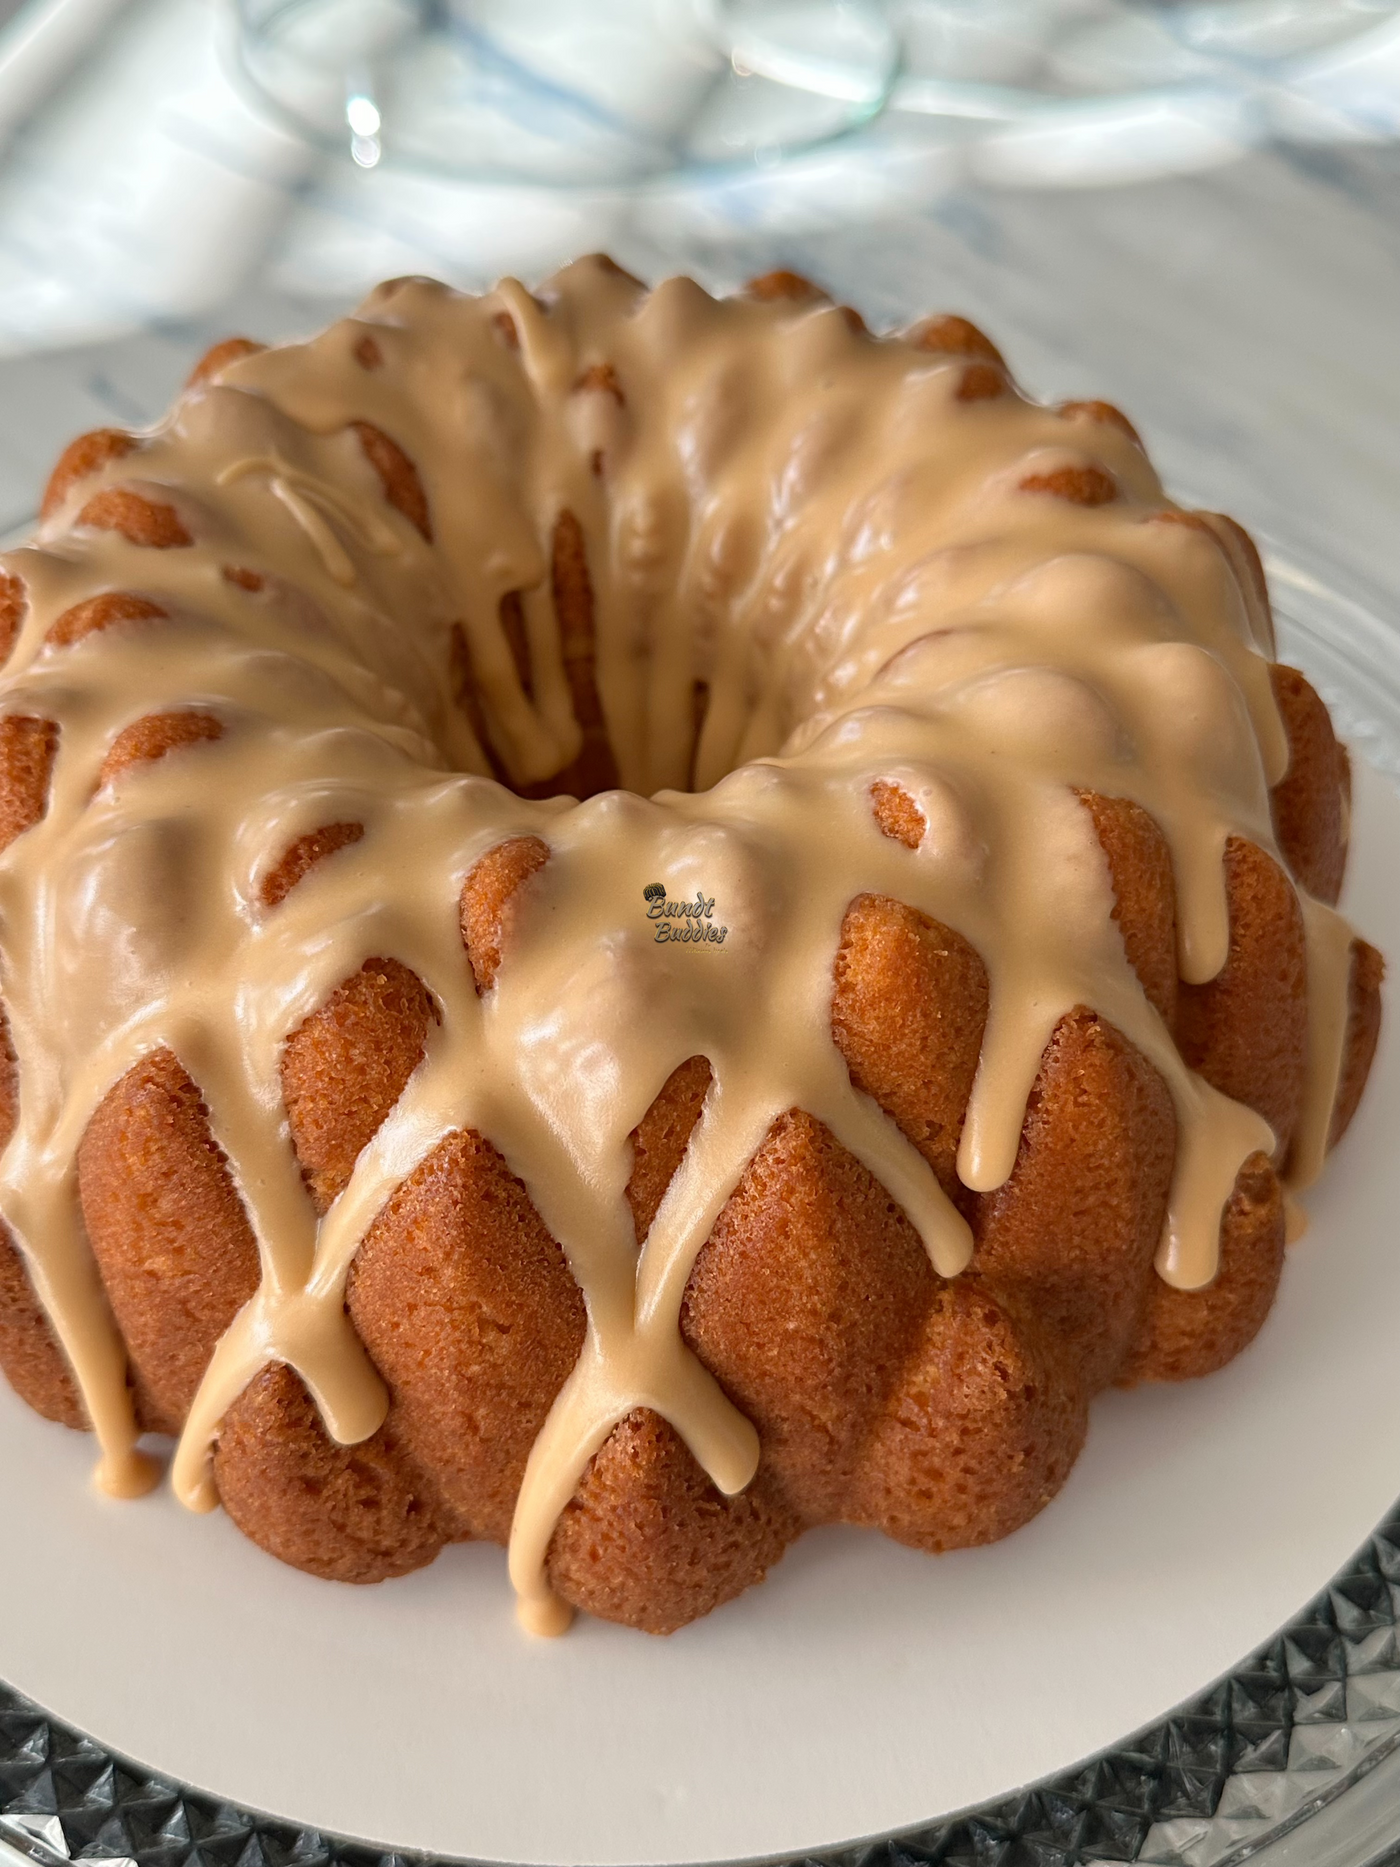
(631, 922)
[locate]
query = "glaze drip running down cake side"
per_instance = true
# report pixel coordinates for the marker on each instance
(902, 1040)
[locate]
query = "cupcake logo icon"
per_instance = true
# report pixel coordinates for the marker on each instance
(682, 923)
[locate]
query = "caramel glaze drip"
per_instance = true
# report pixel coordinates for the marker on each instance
(810, 571)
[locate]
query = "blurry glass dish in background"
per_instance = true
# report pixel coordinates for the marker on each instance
(190, 151)
(500, 135)
(1011, 57)
(548, 92)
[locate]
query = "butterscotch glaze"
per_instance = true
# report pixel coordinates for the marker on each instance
(870, 577)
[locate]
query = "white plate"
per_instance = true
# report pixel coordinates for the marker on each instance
(861, 1689)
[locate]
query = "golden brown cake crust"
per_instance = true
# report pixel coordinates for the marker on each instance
(87, 455)
(1072, 1235)
(357, 1513)
(344, 1068)
(489, 902)
(897, 814)
(140, 521)
(981, 382)
(659, 1140)
(1363, 1034)
(1188, 1333)
(168, 1231)
(27, 748)
(595, 768)
(301, 856)
(14, 607)
(908, 1009)
(467, 1307)
(152, 736)
(101, 612)
(804, 1303)
(397, 474)
(1246, 1030)
(982, 1432)
(1144, 893)
(217, 359)
(1080, 486)
(951, 335)
(782, 283)
(647, 1539)
(30, 1356)
(1105, 412)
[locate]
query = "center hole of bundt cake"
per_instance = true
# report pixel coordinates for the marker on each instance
(595, 767)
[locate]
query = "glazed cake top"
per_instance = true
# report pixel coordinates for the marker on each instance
(820, 563)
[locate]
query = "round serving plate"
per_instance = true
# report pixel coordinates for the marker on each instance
(863, 1690)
